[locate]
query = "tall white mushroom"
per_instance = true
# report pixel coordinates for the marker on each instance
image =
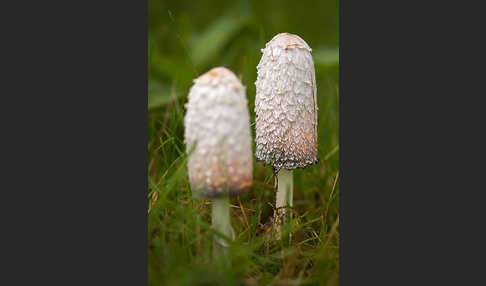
(218, 142)
(286, 112)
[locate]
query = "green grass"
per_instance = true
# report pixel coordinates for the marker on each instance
(186, 38)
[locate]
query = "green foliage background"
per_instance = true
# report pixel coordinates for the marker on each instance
(187, 38)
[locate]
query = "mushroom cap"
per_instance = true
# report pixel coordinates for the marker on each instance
(217, 135)
(286, 104)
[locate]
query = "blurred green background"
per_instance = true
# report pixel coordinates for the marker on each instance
(185, 39)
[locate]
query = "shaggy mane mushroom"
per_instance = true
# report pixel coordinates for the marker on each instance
(218, 143)
(286, 112)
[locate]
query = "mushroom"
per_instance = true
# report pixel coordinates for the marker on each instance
(286, 113)
(218, 143)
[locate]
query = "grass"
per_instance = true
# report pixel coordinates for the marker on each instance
(184, 42)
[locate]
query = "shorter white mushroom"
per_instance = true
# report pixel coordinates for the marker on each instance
(218, 142)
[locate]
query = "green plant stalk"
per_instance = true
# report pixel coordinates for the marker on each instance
(221, 223)
(285, 197)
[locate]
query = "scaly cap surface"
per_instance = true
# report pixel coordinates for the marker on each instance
(286, 104)
(217, 135)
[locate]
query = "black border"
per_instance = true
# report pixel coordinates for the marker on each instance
(77, 165)
(409, 131)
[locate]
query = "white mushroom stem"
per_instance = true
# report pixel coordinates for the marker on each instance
(221, 223)
(221, 218)
(285, 195)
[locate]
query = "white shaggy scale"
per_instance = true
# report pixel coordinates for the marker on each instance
(217, 135)
(286, 104)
